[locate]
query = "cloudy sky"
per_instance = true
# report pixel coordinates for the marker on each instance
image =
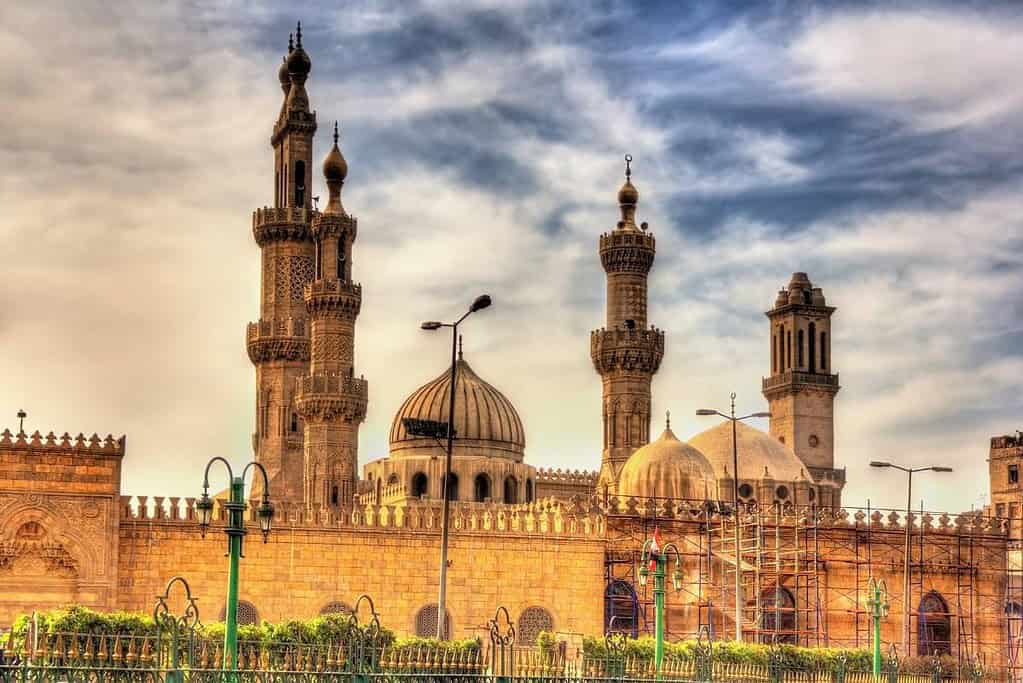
(875, 147)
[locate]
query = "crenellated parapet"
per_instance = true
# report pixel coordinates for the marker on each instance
(281, 224)
(627, 251)
(51, 443)
(559, 476)
(278, 339)
(331, 298)
(294, 120)
(626, 350)
(324, 396)
(421, 516)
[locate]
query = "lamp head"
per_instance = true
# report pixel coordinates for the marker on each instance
(204, 510)
(706, 411)
(761, 415)
(676, 579)
(431, 325)
(481, 302)
(878, 463)
(643, 573)
(266, 515)
(941, 469)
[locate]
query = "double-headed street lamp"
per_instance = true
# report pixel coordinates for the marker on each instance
(481, 302)
(905, 560)
(657, 558)
(235, 531)
(877, 601)
(735, 503)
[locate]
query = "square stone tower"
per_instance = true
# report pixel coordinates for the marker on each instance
(801, 388)
(1004, 466)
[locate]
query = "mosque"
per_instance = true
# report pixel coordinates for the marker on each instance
(558, 549)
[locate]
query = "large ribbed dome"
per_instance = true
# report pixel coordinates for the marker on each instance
(486, 423)
(761, 456)
(667, 468)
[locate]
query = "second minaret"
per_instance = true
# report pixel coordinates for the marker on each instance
(626, 352)
(331, 399)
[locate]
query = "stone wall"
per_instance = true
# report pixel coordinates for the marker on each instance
(58, 521)
(515, 559)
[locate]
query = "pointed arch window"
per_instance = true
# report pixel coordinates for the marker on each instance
(813, 347)
(621, 608)
(300, 183)
(294, 422)
(511, 490)
(420, 485)
(481, 488)
(341, 257)
(934, 626)
(529, 490)
(778, 616)
(824, 350)
(799, 349)
(452, 487)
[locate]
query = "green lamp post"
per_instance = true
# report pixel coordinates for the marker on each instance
(877, 601)
(655, 559)
(235, 531)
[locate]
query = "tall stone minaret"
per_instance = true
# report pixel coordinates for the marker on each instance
(626, 353)
(330, 399)
(802, 386)
(278, 344)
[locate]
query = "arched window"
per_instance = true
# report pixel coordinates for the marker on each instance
(788, 349)
(813, 347)
(481, 488)
(419, 485)
(341, 257)
(277, 188)
(245, 616)
(294, 422)
(393, 479)
(334, 495)
(300, 183)
(511, 490)
(529, 490)
(778, 616)
(799, 349)
(824, 350)
(336, 608)
(774, 352)
(531, 622)
(426, 621)
(621, 608)
(452, 487)
(781, 349)
(380, 483)
(933, 626)
(319, 260)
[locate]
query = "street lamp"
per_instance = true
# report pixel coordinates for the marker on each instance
(735, 503)
(235, 531)
(905, 563)
(877, 601)
(481, 302)
(657, 559)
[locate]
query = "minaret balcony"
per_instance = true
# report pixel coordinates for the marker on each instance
(332, 297)
(327, 225)
(282, 224)
(627, 251)
(627, 350)
(326, 396)
(792, 379)
(278, 339)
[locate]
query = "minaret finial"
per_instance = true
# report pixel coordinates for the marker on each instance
(335, 132)
(628, 166)
(667, 419)
(298, 35)
(459, 347)
(291, 43)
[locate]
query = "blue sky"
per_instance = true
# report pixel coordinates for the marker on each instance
(874, 146)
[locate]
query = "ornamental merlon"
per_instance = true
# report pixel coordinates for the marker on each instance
(336, 384)
(627, 238)
(333, 224)
(271, 224)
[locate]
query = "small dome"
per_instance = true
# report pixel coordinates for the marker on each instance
(628, 194)
(486, 423)
(335, 168)
(757, 450)
(283, 76)
(667, 468)
(298, 62)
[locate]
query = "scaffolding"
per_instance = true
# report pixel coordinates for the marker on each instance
(804, 575)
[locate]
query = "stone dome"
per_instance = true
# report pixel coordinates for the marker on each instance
(628, 194)
(335, 167)
(667, 468)
(486, 422)
(757, 450)
(283, 76)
